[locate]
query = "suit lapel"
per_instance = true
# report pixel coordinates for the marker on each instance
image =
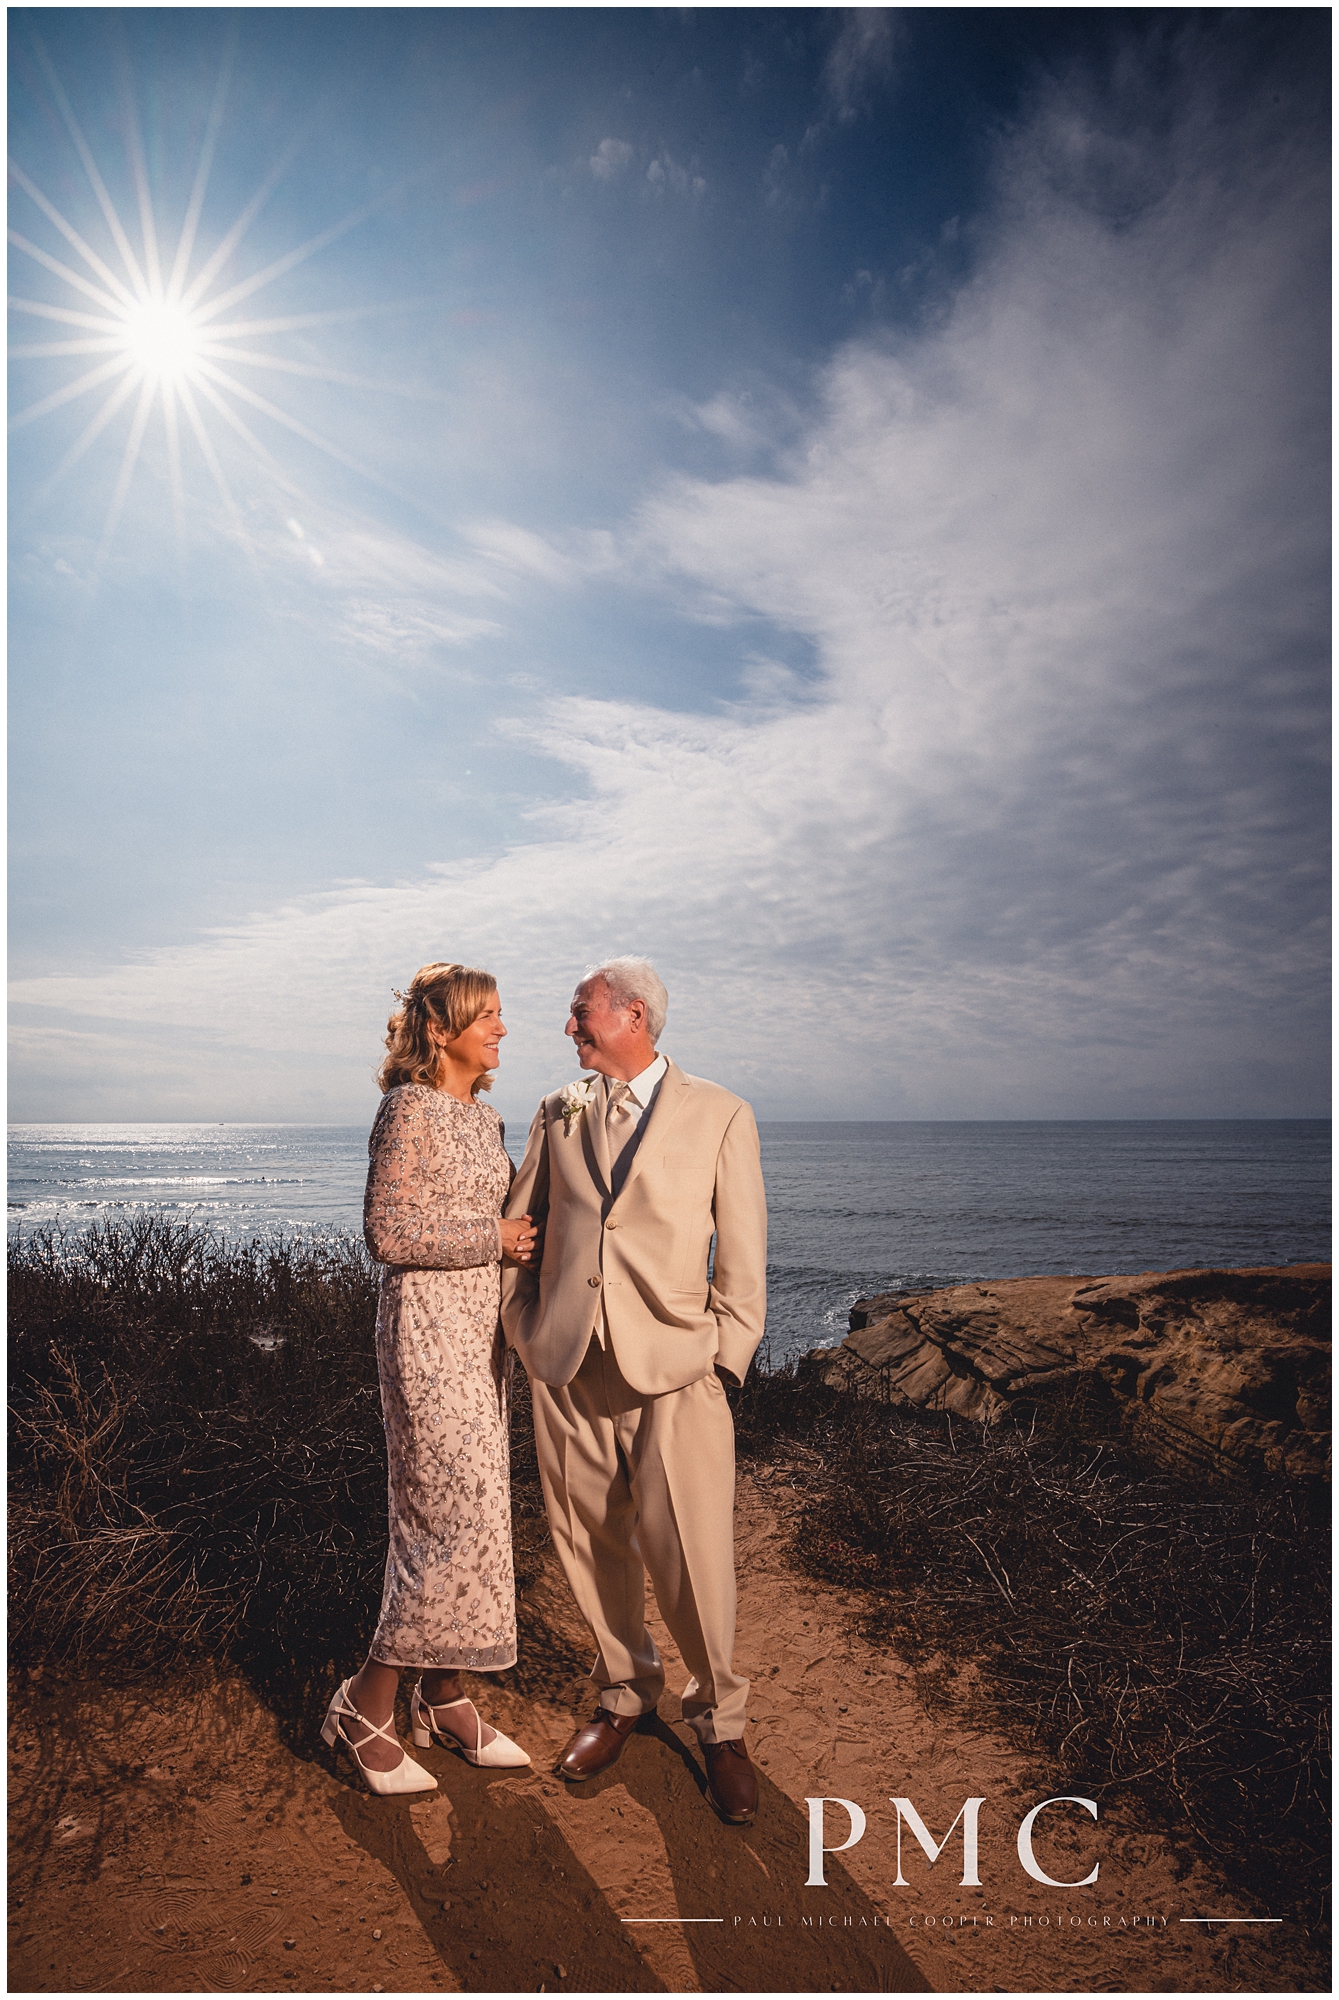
(669, 1102)
(588, 1132)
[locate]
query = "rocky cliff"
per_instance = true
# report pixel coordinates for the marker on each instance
(1219, 1371)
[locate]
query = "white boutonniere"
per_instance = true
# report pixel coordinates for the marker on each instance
(574, 1099)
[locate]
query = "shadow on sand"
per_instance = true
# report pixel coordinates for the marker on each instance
(513, 1904)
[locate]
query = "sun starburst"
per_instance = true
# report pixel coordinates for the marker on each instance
(156, 334)
(163, 339)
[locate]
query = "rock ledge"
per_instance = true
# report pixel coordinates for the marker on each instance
(1221, 1371)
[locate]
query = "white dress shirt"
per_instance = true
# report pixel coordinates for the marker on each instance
(643, 1088)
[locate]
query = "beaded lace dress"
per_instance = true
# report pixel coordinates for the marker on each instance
(435, 1188)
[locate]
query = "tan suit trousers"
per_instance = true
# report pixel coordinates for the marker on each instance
(637, 1484)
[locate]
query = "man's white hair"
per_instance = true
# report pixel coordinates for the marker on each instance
(629, 979)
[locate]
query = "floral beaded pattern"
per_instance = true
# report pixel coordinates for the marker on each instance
(434, 1164)
(435, 1188)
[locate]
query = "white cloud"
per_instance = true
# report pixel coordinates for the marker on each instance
(665, 172)
(609, 159)
(731, 419)
(398, 629)
(390, 594)
(520, 551)
(1036, 837)
(861, 56)
(774, 176)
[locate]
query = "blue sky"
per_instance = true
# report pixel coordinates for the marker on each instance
(836, 501)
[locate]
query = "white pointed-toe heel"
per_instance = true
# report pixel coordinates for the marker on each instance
(500, 1754)
(407, 1775)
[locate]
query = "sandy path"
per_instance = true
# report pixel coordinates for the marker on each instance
(180, 1845)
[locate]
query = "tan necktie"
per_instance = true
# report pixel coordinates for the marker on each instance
(620, 1122)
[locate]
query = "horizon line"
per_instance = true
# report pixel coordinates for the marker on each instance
(346, 1125)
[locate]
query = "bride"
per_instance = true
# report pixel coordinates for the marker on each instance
(435, 1188)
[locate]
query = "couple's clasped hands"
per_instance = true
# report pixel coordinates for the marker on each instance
(522, 1239)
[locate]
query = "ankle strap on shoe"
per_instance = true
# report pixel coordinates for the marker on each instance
(346, 1707)
(456, 1701)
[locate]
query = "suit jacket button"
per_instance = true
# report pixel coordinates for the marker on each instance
(611, 1224)
(593, 1281)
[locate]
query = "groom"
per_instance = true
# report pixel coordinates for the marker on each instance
(626, 1342)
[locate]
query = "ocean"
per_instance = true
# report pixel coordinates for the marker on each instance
(854, 1208)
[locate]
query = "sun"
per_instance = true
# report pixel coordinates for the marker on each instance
(157, 332)
(164, 340)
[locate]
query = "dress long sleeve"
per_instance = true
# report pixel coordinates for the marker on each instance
(407, 1219)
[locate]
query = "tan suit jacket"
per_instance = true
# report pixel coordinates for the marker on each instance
(642, 1255)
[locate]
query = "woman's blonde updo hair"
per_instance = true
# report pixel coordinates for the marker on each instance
(448, 996)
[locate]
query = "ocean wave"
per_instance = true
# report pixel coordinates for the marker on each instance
(146, 1181)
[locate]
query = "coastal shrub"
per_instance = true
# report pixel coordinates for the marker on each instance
(196, 1454)
(198, 1471)
(1151, 1639)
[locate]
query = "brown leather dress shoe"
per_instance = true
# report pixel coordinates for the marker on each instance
(597, 1745)
(732, 1782)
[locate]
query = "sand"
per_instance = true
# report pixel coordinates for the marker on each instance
(180, 1840)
